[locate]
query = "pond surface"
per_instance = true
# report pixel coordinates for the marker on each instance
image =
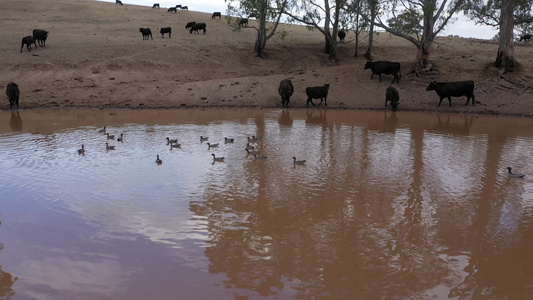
(387, 205)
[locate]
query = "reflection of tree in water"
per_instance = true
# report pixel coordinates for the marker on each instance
(15, 122)
(6, 281)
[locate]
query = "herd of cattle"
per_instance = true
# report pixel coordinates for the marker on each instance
(286, 88)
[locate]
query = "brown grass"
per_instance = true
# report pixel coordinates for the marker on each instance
(95, 57)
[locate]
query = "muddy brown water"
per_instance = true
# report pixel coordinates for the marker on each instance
(387, 205)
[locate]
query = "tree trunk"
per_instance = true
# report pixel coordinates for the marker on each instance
(426, 44)
(368, 53)
(260, 42)
(505, 59)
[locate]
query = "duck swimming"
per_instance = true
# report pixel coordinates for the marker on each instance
(158, 160)
(110, 136)
(227, 140)
(219, 158)
(82, 150)
(212, 145)
(514, 175)
(120, 139)
(171, 141)
(203, 138)
(298, 162)
(109, 147)
(102, 130)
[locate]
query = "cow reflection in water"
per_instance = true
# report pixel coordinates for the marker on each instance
(317, 117)
(15, 122)
(285, 118)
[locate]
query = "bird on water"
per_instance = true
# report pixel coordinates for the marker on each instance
(514, 175)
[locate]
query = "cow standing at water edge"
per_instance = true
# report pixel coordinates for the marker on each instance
(317, 92)
(285, 90)
(453, 89)
(392, 95)
(13, 94)
(385, 67)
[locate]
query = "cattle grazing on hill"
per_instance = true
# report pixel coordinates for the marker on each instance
(178, 6)
(525, 37)
(13, 94)
(118, 2)
(384, 67)
(189, 25)
(243, 22)
(40, 36)
(341, 34)
(216, 14)
(198, 26)
(147, 33)
(28, 40)
(392, 95)
(184, 8)
(317, 92)
(172, 9)
(453, 89)
(165, 30)
(285, 90)
(156, 5)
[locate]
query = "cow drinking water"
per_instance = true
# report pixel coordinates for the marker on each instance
(392, 95)
(285, 90)
(13, 94)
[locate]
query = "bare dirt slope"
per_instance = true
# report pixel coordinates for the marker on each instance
(95, 57)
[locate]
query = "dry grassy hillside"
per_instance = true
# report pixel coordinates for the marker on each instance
(95, 57)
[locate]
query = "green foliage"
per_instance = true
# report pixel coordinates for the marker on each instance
(407, 22)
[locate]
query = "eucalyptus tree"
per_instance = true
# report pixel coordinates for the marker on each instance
(505, 15)
(268, 14)
(352, 19)
(314, 14)
(419, 22)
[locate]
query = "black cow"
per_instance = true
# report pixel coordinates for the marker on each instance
(172, 9)
(118, 2)
(178, 6)
(453, 89)
(243, 21)
(184, 8)
(285, 90)
(198, 26)
(13, 94)
(216, 14)
(317, 92)
(155, 5)
(147, 33)
(189, 25)
(40, 36)
(385, 67)
(392, 95)
(525, 37)
(28, 40)
(165, 30)
(342, 35)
